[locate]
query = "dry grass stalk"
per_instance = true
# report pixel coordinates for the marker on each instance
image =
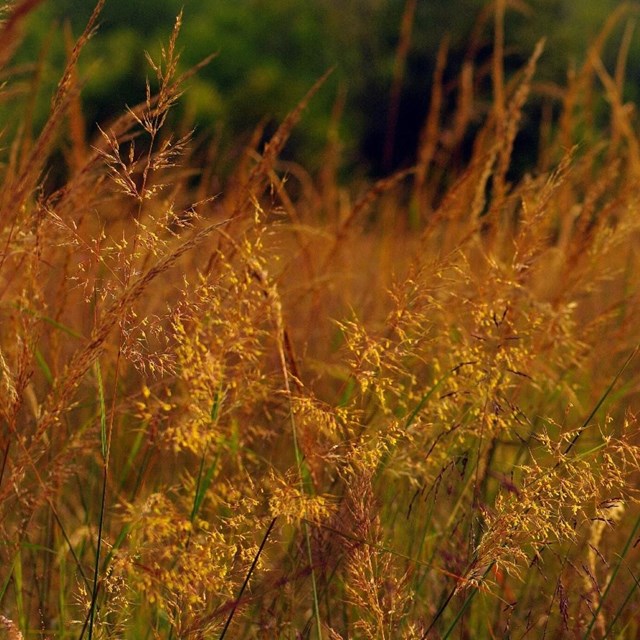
(411, 417)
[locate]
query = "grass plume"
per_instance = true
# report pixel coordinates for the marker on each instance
(302, 408)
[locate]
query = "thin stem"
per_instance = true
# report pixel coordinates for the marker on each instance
(246, 579)
(614, 573)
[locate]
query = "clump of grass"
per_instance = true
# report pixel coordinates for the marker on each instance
(403, 411)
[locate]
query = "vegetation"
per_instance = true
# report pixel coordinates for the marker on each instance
(281, 407)
(269, 52)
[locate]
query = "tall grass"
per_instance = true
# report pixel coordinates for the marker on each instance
(297, 408)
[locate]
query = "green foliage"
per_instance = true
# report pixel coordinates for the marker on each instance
(271, 52)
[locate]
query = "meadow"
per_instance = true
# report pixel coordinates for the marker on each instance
(290, 406)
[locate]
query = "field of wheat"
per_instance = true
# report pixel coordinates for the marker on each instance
(292, 407)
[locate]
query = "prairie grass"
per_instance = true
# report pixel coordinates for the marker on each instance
(296, 408)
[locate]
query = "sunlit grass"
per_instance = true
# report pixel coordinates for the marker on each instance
(299, 408)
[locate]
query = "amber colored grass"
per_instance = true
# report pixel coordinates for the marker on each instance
(405, 409)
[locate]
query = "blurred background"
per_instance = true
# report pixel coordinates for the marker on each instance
(269, 52)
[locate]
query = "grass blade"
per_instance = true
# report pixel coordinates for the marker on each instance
(600, 402)
(247, 578)
(103, 499)
(614, 574)
(103, 410)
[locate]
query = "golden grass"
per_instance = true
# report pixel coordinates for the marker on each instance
(399, 411)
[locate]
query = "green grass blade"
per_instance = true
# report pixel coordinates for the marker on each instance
(5, 584)
(425, 398)
(52, 322)
(133, 452)
(622, 607)
(217, 405)
(18, 585)
(122, 536)
(44, 367)
(96, 573)
(203, 485)
(103, 500)
(600, 402)
(614, 574)
(463, 608)
(204, 479)
(458, 615)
